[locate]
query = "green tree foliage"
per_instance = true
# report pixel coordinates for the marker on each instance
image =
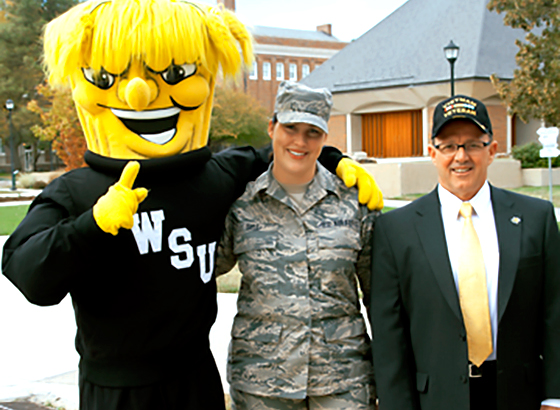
(21, 27)
(237, 119)
(529, 155)
(534, 91)
(60, 125)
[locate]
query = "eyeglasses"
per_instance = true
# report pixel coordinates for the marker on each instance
(471, 147)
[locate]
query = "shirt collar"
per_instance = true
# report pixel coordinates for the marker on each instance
(450, 204)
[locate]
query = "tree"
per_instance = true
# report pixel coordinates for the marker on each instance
(534, 91)
(237, 119)
(60, 125)
(21, 25)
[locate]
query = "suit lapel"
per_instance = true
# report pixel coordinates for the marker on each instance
(429, 227)
(508, 227)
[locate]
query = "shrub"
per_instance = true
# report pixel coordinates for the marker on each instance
(529, 155)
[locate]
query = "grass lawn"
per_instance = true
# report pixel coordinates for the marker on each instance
(10, 217)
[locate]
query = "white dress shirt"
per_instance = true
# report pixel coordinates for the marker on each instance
(485, 227)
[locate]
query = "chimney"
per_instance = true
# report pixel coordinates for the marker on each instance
(228, 4)
(325, 28)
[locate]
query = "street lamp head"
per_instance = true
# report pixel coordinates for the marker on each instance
(9, 105)
(451, 52)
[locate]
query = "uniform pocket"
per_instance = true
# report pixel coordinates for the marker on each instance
(344, 328)
(339, 238)
(254, 241)
(256, 330)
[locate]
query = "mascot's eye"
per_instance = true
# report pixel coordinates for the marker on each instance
(177, 73)
(101, 78)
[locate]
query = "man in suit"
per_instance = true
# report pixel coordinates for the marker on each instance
(449, 335)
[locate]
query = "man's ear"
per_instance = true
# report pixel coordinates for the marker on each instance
(432, 152)
(492, 149)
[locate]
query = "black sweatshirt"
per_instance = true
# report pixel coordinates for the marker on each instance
(145, 299)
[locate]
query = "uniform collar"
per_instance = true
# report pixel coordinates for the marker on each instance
(322, 184)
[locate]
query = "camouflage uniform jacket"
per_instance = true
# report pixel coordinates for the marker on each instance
(298, 331)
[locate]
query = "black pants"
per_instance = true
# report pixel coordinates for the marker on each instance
(189, 390)
(483, 394)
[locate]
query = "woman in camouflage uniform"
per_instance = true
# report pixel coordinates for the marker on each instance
(299, 340)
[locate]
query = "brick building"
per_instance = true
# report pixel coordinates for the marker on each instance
(285, 54)
(386, 83)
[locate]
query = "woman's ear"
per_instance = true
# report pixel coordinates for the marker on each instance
(270, 128)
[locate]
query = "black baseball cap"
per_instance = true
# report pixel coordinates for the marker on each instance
(461, 107)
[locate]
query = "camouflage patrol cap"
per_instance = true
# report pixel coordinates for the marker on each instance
(299, 103)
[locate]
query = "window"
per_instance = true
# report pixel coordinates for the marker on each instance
(254, 74)
(279, 71)
(266, 71)
(304, 70)
(293, 72)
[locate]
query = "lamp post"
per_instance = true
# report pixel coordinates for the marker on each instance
(10, 106)
(451, 53)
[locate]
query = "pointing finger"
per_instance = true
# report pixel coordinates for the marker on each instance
(129, 174)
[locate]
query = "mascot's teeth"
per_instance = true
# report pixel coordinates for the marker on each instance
(146, 115)
(161, 138)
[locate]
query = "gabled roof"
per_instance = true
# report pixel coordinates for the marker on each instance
(290, 33)
(406, 48)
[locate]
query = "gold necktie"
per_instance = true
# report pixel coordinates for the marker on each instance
(473, 293)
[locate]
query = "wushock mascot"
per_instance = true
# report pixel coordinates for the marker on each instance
(132, 236)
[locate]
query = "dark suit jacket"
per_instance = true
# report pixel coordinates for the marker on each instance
(419, 340)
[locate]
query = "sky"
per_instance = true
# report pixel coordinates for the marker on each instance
(348, 22)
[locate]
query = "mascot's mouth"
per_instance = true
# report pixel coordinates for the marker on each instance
(157, 126)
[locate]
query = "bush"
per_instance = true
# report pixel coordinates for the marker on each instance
(529, 155)
(36, 180)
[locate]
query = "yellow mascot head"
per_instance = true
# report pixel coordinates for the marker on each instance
(143, 72)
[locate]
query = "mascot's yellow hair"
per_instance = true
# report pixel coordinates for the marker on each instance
(112, 33)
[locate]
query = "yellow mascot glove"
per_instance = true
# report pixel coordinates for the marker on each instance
(352, 173)
(117, 207)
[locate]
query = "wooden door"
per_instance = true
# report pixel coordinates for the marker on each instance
(392, 134)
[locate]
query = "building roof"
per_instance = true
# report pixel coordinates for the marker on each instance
(291, 33)
(406, 48)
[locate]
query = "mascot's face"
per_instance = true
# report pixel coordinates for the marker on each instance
(140, 113)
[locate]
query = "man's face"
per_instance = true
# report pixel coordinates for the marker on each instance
(464, 172)
(296, 149)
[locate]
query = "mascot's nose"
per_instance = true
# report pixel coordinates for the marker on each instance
(137, 94)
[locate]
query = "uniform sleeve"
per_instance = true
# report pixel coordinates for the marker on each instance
(364, 258)
(551, 354)
(392, 354)
(225, 258)
(39, 258)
